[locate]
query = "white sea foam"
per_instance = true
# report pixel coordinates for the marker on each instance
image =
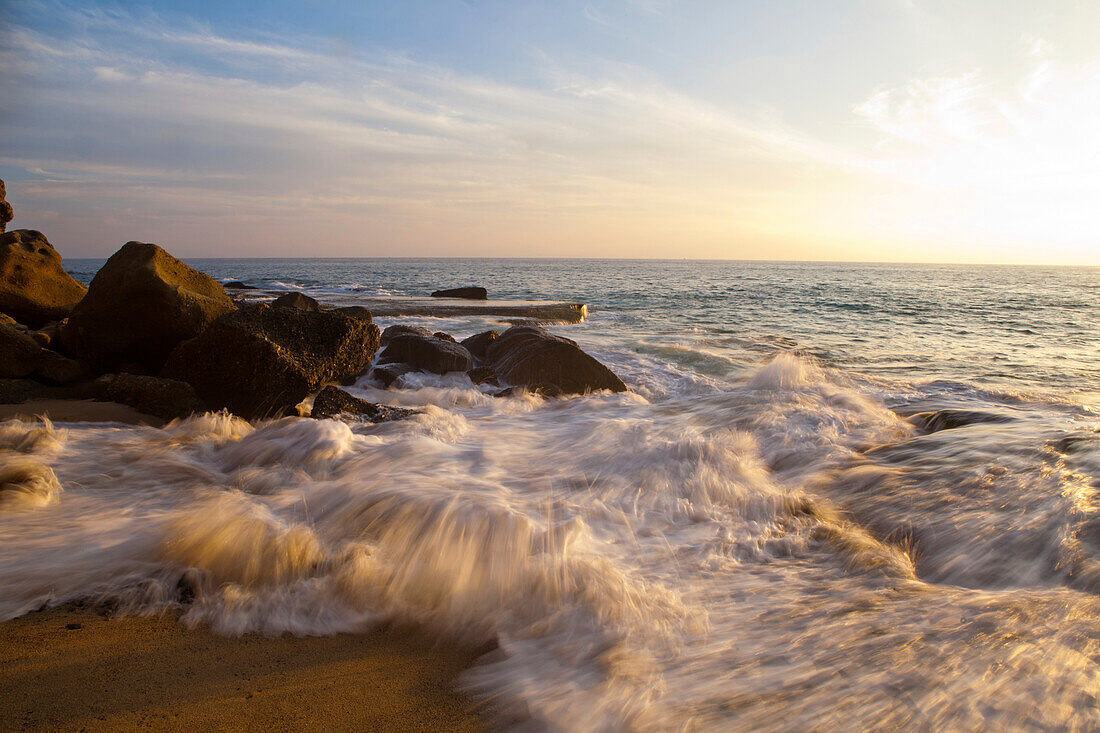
(697, 559)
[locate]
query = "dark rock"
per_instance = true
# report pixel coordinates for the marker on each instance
(530, 357)
(445, 336)
(141, 304)
(483, 375)
(34, 287)
(387, 374)
(421, 350)
(333, 401)
(74, 627)
(16, 391)
(164, 398)
(479, 342)
(238, 285)
(19, 353)
(296, 300)
(935, 421)
(355, 311)
(6, 212)
(471, 293)
(53, 368)
(259, 360)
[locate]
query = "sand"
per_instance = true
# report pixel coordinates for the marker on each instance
(155, 674)
(78, 411)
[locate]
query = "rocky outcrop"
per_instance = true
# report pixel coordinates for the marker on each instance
(140, 305)
(164, 398)
(260, 360)
(19, 353)
(423, 351)
(470, 293)
(34, 287)
(528, 356)
(479, 343)
(6, 212)
(296, 300)
(333, 401)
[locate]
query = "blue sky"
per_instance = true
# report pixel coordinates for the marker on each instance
(910, 130)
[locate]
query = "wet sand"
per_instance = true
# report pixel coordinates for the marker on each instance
(155, 674)
(60, 410)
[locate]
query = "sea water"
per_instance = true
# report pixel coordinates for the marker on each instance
(836, 496)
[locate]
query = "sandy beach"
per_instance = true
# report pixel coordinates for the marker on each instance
(73, 669)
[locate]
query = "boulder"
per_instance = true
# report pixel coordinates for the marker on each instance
(6, 212)
(387, 374)
(471, 293)
(260, 360)
(164, 398)
(53, 368)
(423, 351)
(34, 287)
(238, 285)
(355, 311)
(140, 305)
(19, 353)
(333, 401)
(479, 342)
(528, 356)
(296, 300)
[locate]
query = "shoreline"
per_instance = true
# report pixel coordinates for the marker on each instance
(138, 672)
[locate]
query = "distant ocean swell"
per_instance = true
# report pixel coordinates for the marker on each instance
(756, 537)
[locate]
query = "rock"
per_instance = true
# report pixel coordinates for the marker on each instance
(260, 360)
(140, 305)
(949, 419)
(296, 300)
(445, 336)
(6, 212)
(423, 351)
(164, 398)
(333, 401)
(528, 356)
(471, 293)
(40, 337)
(19, 353)
(478, 343)
(238, 285)
(387, 374)
(355, 311)
(34, 287)
(53, 368)
(483, 375)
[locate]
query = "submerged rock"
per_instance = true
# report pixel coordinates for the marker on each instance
(260, 360)
(238, 285)
(949, 419)
(483, 375)
(140, 305)
(333, 401)
(34, 287)
(296, 300)
(479, 343)
(528, 356)
(423, 351)
(469, 293)
(387, 374)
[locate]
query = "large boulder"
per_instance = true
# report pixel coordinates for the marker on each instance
(471, 293)
(140, 305)
(260, 360)
(332, 402)
(34, 287)
(528, 356)
(19, 353)
(6, 213)
(423, 350)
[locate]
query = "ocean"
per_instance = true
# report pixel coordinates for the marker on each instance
(837, 496)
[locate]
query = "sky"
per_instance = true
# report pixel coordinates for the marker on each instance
(861, 130)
